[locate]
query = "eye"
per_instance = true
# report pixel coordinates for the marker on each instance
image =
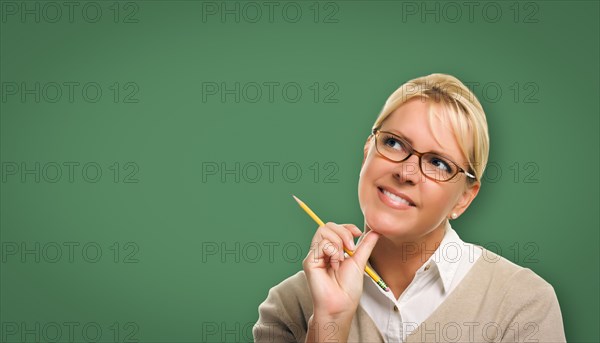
(392, 142)
(440, 164)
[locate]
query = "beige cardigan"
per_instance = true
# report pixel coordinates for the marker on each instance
(497, 301)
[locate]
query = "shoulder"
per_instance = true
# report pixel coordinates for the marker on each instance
(284, 314)
(293, 290)
(514, 286)
(510, 274)
(525, 300)
(292, 294)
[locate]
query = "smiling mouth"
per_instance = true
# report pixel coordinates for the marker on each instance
(394, 198)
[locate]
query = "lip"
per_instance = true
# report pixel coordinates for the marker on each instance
(390, 203)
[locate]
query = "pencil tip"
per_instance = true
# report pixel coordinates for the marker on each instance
(300, 202)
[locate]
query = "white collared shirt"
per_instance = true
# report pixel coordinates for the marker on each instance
(433, 282)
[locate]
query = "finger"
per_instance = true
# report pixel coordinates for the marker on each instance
(316, 253)
(344, 234)
(364, 249)
(320, 239)
(333, 271)
(314, 258)
(335, 265)
(319, 255)
(353, 229)
(339, 237)
(331, 248)
(322, 230)
(331, 233)
(317, 237)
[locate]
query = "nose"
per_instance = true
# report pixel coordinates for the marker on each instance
(409, 170)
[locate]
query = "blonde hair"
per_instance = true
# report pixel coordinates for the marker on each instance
(462, 110)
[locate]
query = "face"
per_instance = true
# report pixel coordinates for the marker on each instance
(431, 202)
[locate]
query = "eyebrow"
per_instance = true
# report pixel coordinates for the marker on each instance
(399, 134)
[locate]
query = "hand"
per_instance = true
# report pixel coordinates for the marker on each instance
(336, 281)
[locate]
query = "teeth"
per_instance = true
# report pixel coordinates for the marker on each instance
(394, 197)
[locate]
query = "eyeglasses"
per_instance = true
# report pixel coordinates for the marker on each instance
(435, 167)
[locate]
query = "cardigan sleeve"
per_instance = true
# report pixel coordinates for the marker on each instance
(530, 310)
(282, 316)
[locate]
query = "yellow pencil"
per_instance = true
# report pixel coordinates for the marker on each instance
(368, 270)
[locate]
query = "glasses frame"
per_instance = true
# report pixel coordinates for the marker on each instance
(412, 151)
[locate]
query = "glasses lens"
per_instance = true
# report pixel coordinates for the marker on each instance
(437, 167)
(391, 146)
(433, 166)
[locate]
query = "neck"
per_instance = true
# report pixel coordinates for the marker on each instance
(397, 260)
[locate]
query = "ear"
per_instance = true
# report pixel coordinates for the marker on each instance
(466, 198)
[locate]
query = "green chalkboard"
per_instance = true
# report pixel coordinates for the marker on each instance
(150, 149)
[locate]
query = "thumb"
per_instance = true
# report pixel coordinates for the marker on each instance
(363, 250)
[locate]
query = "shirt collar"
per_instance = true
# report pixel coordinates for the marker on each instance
(446, 258)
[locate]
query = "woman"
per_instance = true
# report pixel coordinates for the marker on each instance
(422, 167)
